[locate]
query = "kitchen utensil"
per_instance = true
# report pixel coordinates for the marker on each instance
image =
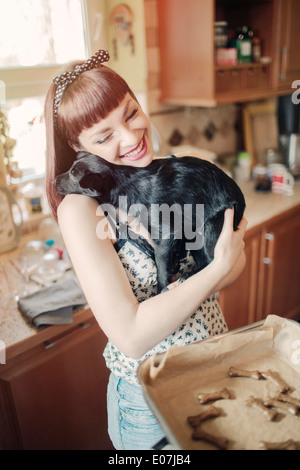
(10, 220)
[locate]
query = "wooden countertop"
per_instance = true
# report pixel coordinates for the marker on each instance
(264, 206)
(260, 207)
(13, 326)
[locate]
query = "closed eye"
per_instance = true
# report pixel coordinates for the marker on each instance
(105, 139)
(132, 114)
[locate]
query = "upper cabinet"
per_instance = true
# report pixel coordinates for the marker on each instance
(190, 74)
(287, 50)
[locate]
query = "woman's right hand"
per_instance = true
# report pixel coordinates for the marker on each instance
(230, 244)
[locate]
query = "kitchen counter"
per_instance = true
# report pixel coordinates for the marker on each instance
(260, 207)
(13, 326)
(264, 206)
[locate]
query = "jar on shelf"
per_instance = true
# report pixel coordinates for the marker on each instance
(221, 34)
(256, 49)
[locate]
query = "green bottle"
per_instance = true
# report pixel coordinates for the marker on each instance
(244, 44)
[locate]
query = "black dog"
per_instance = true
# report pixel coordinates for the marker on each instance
(181, 186)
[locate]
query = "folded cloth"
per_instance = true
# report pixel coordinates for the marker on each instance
(53, 305)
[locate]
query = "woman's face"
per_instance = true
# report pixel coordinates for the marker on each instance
(122, 138)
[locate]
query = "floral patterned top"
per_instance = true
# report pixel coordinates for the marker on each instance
(138, 261)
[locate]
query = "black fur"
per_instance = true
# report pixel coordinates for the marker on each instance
(180, 181)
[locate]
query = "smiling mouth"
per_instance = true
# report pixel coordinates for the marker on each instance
(138, 152)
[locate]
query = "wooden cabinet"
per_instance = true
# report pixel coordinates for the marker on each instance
(279, 288)
(189, 75)
(238, 301)
(53, 390)
(270, 281)
(287, 51)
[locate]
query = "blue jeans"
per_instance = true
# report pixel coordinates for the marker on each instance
(131, 424)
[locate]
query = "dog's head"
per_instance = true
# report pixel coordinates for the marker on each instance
(89, 175)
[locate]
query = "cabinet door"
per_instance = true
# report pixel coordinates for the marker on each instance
(238, 300)
(55, 398)
(186, 39)
(288, 51)
(279, 292)
(189, 75)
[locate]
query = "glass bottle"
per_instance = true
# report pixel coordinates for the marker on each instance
(256, 49)
(244, 44)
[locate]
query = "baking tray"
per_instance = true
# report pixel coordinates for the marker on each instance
(171, 382)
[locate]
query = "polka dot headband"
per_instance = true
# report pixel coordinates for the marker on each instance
(66, 78)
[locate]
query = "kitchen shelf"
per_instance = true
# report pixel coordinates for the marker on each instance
(250, 65)
(189, 75)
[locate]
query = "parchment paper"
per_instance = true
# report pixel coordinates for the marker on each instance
(172, 381)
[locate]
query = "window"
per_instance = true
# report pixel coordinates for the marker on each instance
(41, 32)
(37, 37)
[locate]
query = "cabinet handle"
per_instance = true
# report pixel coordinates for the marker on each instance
(49, 345)
(282, 75)
(269, 236)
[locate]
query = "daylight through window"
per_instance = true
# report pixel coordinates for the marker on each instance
(35, 36)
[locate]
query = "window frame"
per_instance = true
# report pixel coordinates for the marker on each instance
(34, 81)
(26, 82)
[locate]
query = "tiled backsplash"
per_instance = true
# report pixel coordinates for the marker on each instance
(215, 129)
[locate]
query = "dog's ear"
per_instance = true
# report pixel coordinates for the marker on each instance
(81, 154)
(101, 183)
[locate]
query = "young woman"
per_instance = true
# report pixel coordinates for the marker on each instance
(91, 108)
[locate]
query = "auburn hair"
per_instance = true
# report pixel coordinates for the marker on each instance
(87, 100)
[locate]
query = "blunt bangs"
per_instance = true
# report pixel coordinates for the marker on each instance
(90, 98)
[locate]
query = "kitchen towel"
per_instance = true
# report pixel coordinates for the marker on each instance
(53, 305)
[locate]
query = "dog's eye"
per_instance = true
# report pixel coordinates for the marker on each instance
(73, 173)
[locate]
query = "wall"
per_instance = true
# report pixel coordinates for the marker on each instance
(214, 129)
(128, 58)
